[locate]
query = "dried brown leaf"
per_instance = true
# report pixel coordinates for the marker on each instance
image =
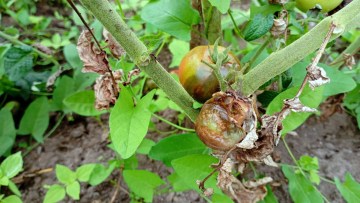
(115, 48)
(235, 189)
(104, 90)
(94, 59)
(295, 105)
(317, 76)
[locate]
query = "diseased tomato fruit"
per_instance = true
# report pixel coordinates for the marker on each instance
(221, 120)
(197, 78)
(326, 5)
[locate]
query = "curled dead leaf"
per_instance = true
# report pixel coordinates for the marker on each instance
(115, 48)
(235, 189)
(295, 105)
(317, 76)
(93, 58)
(104, 90)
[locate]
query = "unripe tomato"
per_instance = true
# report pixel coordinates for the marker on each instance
(327, 5)
(197, 78)
(221, 119)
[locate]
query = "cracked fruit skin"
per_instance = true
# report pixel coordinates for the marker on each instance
(197, 78)
(220, 121)
(327, 5)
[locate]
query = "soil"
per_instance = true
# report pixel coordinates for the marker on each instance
(335, 141)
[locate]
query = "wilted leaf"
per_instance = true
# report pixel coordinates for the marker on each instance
(235, 189)
(105, 91)
(94, 60)
(296, 106)
(317, 76)
(114, 46)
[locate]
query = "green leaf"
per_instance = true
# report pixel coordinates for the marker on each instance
(18, 61)
(349, 189)
(196, 167)
(218, 198)
(14, 188)
(308, 163)
(55, 193)
(177, 183)
(178, 50)
(269, 9)
(64, 174)
(142, 183)
(131, 162)
(64, 88)
(258, 26)
(35, 119)
(173, 17)
(11, 199)
(82, 103)
(339, 81)
(145, 146)
(222, 5)
(12, 165)
(270, 196)
(100, 173)
(293, 120)
(177, 146)
(73, 190)
(301, 190)
(72, 57)
(7, 130)
(83, 172)
(129, 123)
(4, 181)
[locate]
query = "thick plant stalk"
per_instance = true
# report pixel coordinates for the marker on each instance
(280, 61)
(106, 14)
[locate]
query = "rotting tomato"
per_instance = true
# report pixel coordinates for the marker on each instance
(197, 78)
(224, 120)
(326, 5)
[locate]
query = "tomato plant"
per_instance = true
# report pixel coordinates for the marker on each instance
(197, 77)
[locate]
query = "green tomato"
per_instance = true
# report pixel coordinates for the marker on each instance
(197, 78)
(327, 5)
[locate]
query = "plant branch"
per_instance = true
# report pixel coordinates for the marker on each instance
(280, 61)
(172, 124)
(105, 13)
(317, 58)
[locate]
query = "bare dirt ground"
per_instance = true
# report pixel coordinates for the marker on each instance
(335, 141)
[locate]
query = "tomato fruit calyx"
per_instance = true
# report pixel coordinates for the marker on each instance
(197, 76)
